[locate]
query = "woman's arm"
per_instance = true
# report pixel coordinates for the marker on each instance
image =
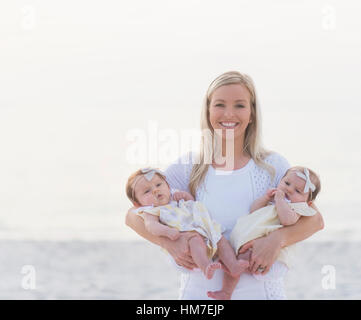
(137, 224)
(303, 229)
(266, 249)
(178, 249)
(155, 227)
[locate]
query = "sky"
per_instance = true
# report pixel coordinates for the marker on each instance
(79, 77)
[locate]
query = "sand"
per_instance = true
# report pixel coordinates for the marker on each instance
(116, 270)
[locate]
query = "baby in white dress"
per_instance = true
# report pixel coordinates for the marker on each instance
(163, 216)
(279, 207)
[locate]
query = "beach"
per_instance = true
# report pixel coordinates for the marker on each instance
(92, 92)
(139, 270)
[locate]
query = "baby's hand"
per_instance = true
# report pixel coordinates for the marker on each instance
(179, 195)
(270, 193)
(279, 194)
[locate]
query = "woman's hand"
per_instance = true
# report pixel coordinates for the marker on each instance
(179, 250)
(265, 251)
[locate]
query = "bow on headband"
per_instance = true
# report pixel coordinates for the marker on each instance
(306, 176)
(149, 173)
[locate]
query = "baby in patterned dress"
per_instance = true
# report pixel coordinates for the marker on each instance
(167, 215)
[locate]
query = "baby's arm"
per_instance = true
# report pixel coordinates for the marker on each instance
(286, 215)
(179, 195)
(263, 201)
(155, 227)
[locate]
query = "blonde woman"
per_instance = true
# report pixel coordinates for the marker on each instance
(232, 170)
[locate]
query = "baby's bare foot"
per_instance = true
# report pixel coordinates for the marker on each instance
(211, 268)
(219, 295)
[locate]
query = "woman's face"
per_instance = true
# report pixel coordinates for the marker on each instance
(230, 108)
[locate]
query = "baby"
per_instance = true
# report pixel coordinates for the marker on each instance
(281, 206)
(150, 193)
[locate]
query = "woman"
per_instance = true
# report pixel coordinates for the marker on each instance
(231, 121)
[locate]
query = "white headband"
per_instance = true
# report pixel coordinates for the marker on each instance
(148, 174)
(306, 176)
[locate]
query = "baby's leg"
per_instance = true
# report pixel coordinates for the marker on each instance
(154, 226)
(244, 256)
(199, 254)
(226, 254)
(229, 283)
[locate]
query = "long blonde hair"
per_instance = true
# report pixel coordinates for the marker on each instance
(252, 140)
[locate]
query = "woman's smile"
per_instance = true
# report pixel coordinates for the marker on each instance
(229, 125)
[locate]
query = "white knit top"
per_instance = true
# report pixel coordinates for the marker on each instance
(178, 173)
(226, 196)
(253, 180)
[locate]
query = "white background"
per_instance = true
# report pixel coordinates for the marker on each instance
(77, 76)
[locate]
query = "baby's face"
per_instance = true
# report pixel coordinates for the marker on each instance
(154, 192)
(293, 186)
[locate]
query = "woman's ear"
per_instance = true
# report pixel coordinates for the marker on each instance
(309, 203)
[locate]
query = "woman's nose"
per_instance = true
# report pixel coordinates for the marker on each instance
(228, 111)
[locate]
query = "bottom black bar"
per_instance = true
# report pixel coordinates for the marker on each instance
(173, 309)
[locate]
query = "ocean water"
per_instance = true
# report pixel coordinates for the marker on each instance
(111, 226)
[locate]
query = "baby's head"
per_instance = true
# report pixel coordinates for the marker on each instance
(147, 187)
(300, 184)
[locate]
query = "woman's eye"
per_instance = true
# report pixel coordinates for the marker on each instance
(159, 184)
(220, 105)
(298, 191)
(287, 183)
(240, 106)
(146, 191)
